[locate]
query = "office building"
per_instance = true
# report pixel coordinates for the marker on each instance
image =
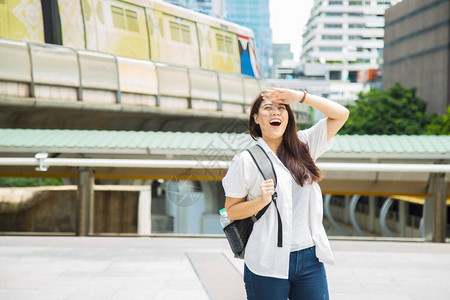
(417, 50)
(215, 8)
(280, 53)
(283, 64)
(342, 38)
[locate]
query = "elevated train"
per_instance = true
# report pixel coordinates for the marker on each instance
(143, 29)
(119, 54)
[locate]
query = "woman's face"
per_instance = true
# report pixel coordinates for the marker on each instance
(273, 118)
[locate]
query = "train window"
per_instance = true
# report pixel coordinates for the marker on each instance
(186, 34)
(220, 43)
(175, 31)
(118, 17)
(224, 43)
(180, 33)
(132, 21)
(229, 45)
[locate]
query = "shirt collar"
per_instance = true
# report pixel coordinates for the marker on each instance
(264, 145)
(269, 151)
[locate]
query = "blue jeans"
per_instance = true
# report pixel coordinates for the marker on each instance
(307, 280)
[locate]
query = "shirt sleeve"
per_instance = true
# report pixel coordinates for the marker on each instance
(316, 138)
(236, 181)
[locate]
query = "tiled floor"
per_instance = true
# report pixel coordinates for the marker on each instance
(177, 268)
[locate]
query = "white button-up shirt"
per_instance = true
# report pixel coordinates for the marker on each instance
(262, 256)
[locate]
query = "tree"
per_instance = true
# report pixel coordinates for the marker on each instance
(394, 111)
(440, 124)
(26, 182)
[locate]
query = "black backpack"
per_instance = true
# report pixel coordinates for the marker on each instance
(238, 231)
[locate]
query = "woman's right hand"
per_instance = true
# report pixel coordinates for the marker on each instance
(267, 190)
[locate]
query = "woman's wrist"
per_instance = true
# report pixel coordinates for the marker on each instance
(261, 202)
(303, 94)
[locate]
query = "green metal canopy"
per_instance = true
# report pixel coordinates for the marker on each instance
(55, 139)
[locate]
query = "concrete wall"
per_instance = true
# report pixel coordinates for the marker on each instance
(53, 209)
(417, 50)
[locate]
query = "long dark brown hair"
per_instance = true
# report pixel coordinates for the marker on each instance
(292, 151)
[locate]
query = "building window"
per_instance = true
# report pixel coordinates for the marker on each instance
(330, 49)
(353, 25)
(334, 3)
(383, 3)
(332, 37)
(352, 76)
(332, 26)
(355, 15)
(355, 3)
(335, 75)
(354, 37)
(333, 14)
(335, 62)
(360, 61)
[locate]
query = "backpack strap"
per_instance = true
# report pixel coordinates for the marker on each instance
(265, 167)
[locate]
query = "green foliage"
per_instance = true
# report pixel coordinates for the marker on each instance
(394, 111)
(27, 182)
(440, 124)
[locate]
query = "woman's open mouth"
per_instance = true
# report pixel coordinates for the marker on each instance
(275, 123)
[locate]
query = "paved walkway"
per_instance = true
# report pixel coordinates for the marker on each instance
(203, 268)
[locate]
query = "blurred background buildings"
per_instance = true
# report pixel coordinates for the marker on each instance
(341, 39)
(349, 46)
(417, 50)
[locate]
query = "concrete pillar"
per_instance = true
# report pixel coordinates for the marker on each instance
(144, 212)
(372, 213)
(85, 205)
(402, 216)
(438, 190)
(427, 216)
(435, 210)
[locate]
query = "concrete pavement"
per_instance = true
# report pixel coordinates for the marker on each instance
(203, 268)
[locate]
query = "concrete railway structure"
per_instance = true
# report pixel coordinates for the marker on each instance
(188, 167)
(50, 86)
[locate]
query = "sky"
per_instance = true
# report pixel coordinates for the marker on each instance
(287, 20)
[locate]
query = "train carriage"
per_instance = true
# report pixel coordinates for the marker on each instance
(139, 29)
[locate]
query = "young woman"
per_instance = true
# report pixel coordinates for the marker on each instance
(294, 269)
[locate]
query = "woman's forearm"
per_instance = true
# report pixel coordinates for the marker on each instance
(243, 209)
(331, 109)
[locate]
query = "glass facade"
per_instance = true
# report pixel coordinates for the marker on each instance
(255, 15)
(215, 8)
